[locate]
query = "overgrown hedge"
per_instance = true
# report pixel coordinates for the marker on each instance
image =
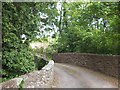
(16, 63)
(17, 19)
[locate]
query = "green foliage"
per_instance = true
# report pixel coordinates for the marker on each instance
(17, 63)
(22, 18)
(21, 85)
(79, 30)
(41, 63)
(18, 19)
(84, 32)
(49, 51)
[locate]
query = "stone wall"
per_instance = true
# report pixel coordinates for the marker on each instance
(107, 64)
(36, 79)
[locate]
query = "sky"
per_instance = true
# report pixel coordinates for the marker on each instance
(44, 16)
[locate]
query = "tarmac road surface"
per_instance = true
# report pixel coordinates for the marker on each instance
(70, 76)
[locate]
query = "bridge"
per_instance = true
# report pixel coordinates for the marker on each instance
(81, 70)
(72, 70)
(71, 76)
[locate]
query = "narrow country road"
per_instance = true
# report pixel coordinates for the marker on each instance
(70, 76)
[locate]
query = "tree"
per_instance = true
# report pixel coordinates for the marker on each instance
(91, 28)
(20, 27)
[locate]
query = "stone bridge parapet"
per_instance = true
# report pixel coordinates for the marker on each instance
(36, 79)
(107, 64)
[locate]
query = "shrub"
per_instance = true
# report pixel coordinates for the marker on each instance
(16, 63)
